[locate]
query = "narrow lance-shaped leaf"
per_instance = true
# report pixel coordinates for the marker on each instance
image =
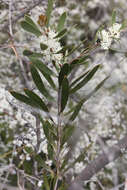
(61, 33)
(32, 54)
(79, 60)
(78, 79)
(43, 46)
(123, 25)
(46, 127)
(41, 66)
(46, 184)
(79, 105)
(76, 110)
(29, 20)
(30, 28)
(23, 99)
(45, 71)
(67, 133)
(50, 151)
(41, 162)
(75, 48)
(35, 98)
(63, 72)
(64, 93)
(85, 80)
(49, 11)
(113, 17)
(49, 79)
(38, 82)
(61, 22)
(64, 49)
(49, 130)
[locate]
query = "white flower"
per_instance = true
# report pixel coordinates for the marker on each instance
(40, 183)
(17, 142)
(53, 46)
(106, 39)
(22, 157)
(108, 36)
(43, 147)
(115, 30)
(28, 157)
(49, 162)
(79, 166)
(15, 153)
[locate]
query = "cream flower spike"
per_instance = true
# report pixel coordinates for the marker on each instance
(114, 30)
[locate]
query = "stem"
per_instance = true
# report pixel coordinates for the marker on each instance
(59, 130)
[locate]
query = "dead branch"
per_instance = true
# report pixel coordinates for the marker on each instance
(100, 162)
(4, 27)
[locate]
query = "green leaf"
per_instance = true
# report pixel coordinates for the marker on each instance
(49, 131)
(61, 22)
(85, 80)
(29, 150)
(50, 151)
(29, 20)
(81, 102)
(67, 133)
(27, 165)
(49, 79)
(82, 59)
(38, 82)
(76, 110)
(124, 25)
(35, 98)
(32, 54)
(78, 61)
(27, 52)
(78, 79)
(43, 46)
(61, 33)
(64, 49)
(46, 127)
(64, 93)
(23, 99)
(49, 11)
(113, 17)
(41, 66)
(41, 162)
(99, 86)
(75, 48)
(30, 28)
(63, 72)
(46, 184)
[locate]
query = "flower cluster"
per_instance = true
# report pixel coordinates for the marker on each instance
(40, 183)
(107, 37)
(53, 46)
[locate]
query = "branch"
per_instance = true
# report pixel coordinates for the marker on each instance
(100, 162)
(5, 26)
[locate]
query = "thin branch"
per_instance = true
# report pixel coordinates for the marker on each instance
(100, 162)
(20, 15)
(10, 17)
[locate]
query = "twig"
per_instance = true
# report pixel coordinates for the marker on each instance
(59, 139)
(20, 15)
(38, 132)
(10, 17)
